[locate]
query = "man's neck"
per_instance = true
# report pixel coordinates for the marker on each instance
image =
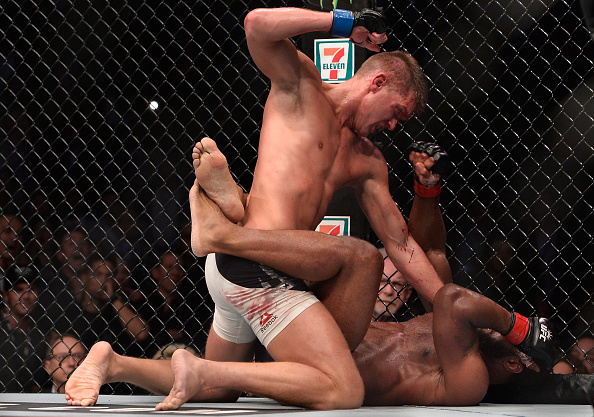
(345, 99)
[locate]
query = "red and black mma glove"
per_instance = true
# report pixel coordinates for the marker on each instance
(441, 167)
(535, 337)
(343, 22)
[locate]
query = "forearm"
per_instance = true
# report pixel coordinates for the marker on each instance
(412, 262)
(427, 227)
(275, 24)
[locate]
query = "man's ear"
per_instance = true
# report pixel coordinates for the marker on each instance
(378, 82)
(513, 364)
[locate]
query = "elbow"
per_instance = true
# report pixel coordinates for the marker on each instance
(452, 298)
(253, 21)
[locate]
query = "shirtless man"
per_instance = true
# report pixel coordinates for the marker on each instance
(447, 357)
(394, 359)
(313, 142)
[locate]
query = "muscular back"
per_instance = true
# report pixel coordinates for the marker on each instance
(399, 364)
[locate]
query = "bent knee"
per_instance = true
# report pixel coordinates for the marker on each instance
(346, 395)
(368, 255)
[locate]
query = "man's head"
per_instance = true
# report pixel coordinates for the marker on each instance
(97, 279)
(122, 272)
(502, 358)
(64, 355)
(74, 250)
(394, 291)
(20, 294)
(395, 88)
(11, 245)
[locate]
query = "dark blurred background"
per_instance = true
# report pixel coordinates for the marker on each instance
(101, 103)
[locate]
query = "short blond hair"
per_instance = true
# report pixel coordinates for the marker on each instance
(404, 71)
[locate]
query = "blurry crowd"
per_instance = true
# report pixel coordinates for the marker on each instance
(70, 282)
(67, 284)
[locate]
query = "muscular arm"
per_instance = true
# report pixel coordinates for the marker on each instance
(457, 315)
(426, 222)
(427, 227)
(389, 225)
(268, 31)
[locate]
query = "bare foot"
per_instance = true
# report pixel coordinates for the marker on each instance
(212, 173)
(187, 382)
(83, 385)
(208, 222)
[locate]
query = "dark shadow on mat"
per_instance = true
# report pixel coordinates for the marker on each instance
(532, 388)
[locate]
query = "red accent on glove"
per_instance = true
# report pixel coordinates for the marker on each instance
(425, 192)
(519, 330)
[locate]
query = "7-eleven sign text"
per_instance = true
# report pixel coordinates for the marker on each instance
(335, 59)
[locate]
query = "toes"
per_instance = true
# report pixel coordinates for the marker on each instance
(164, 406)
(209, 145)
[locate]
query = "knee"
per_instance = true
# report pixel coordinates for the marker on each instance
(347, 394)
(368, 255)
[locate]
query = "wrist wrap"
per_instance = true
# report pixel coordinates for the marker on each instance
(519, 329)
(342, 23)
(425, 192)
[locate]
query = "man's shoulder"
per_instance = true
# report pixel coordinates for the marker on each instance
(367, 161)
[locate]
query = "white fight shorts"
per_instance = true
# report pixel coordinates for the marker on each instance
(252, 300)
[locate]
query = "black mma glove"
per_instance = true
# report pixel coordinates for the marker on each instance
(343, 22)
(373, 21)
(442, 159)
(535, 337)
(441, 167)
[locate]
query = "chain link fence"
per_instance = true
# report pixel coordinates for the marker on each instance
(101, 103)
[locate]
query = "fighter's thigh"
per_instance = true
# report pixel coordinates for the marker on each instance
(219, 349)
(313, 338)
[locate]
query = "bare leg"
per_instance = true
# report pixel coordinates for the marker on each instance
(102, 365)
(319, 375)
(350, 267)
(212, 173)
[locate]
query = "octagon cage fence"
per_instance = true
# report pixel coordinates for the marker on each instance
(102, 102)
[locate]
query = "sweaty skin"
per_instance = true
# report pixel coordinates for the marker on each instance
(313, 142)
(301, 165)
(396, 359)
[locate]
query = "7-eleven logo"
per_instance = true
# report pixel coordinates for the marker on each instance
(337, 54)
(335, 59)
(335, 225)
